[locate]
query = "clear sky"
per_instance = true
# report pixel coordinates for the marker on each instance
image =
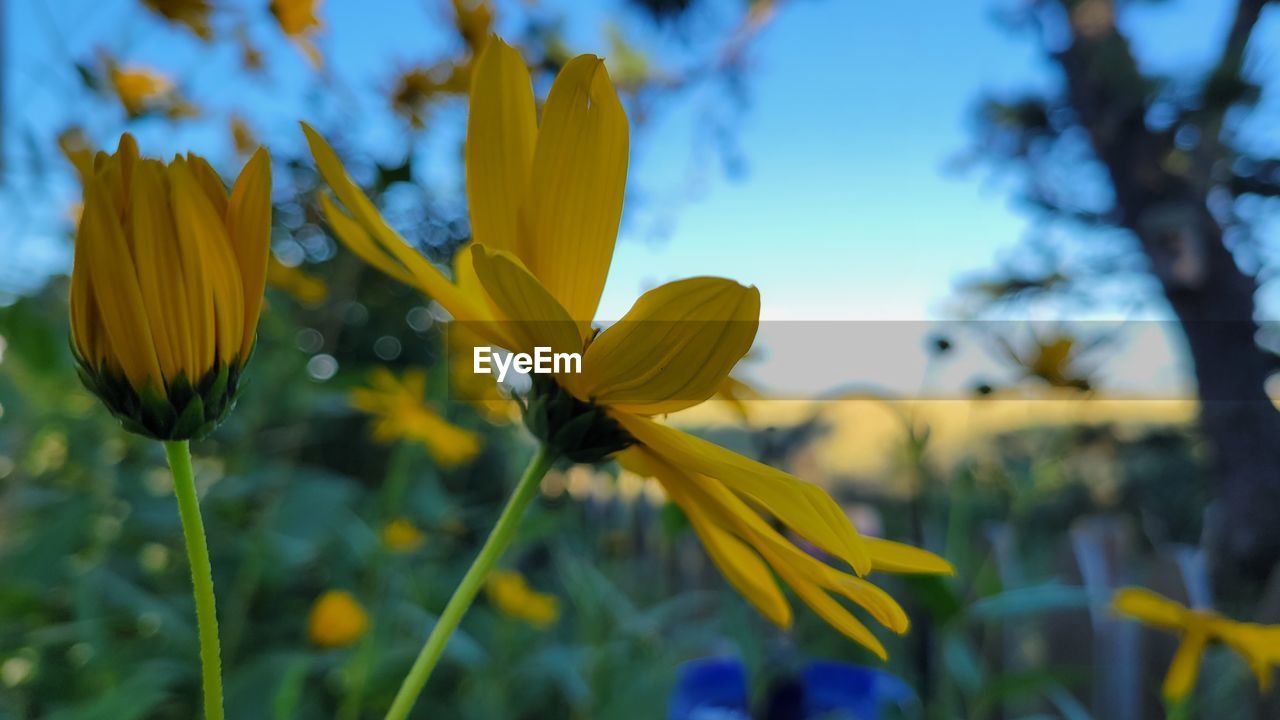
(844, 208)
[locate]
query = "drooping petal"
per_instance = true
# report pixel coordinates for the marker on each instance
(1150, 608)
(741, 566)
(160, 269)
(894, 557)
(202, 228)
(249, 230)
(803, 507)
(578, 182)
(813, 580)
(674, 348)
(393, 249)
(1185, 668)
(117, 294)
(502, 127)
(529, 314)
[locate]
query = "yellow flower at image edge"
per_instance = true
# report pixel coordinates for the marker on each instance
(545, 203)
(337, 620)
(1259, 645)
(167, 287)
(401, 413)
(299, 20)
(512, 596)
(402, 536)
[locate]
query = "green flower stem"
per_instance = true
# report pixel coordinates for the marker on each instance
(499, 538)
(184, 486)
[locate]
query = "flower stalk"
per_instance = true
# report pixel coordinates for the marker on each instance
(499, 538)
(184, 485)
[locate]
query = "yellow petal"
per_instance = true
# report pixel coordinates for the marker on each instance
(803, 507)
(160, 269)
(85, 323)
(502, 128)
(202, 228)
(1150, 608)
(209, 181)
(249, 230)
(892, 557)
(1185, 668)
(116, 292)
(674, 348)
(378, 237)
(739, 564)
(531, 317)
(575, 196)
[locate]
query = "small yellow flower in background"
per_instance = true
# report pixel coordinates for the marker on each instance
(418, 88)
(401, 413)
(545, 202)
(402, 536)
(337, 620)
(144, 91)
(300, 21)
(1259, 645)
(511, 594)
(164, 307)
(473, 20)
(194, 14)
(241, 136)
(303, 286)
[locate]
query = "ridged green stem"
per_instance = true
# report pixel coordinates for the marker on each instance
(184, 486)
(499, 538)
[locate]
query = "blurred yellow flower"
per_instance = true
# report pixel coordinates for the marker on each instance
(143, 91)
(164, 307)
(474, 21)
(512, 596)
(303, 286)
(337, 620)
(401, 413)
(1259, 645)
(194, 14)
(241, 136)
(402, 536)
(418, 88)
(545, 203)
(300, 21)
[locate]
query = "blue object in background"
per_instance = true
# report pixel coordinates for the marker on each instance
(711, 689)
(716, 689)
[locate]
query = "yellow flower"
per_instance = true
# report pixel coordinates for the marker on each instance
(401, 414)
(144, 91)
(402, 536)
(1259, 645)
(418, 88)
(167, 287)
(511, 594)
(474, 21)
(304, 287)
(337, 620)
(241, 136)
(299, 20)
(545, 203)
(192, 13)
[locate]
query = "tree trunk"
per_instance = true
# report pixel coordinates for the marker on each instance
(1238, 419)
(1211, 297)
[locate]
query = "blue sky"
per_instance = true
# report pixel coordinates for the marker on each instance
(844, 210)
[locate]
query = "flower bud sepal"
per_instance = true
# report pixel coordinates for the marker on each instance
(181, 411)
(580, 431)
